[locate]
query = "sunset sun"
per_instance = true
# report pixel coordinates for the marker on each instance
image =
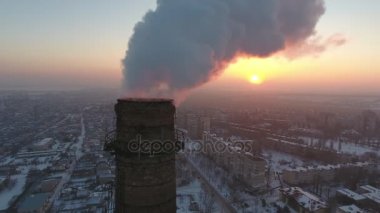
(255, 79)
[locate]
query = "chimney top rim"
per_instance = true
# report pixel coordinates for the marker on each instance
(145, 100)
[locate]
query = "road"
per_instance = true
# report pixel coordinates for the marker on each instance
(64, 180)
(53, 126)
(66, 177)
(79, 145)
(225, 205)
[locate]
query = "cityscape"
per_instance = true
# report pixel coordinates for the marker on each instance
(189, 106)
(279, 153)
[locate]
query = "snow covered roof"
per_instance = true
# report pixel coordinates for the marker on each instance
(351, 131)
(374, 196)
(305, 199)
(44, 141)
(374, 193)
(370, 188)
(2, 179)
(327, 167)
(351, 209)
(351, 194)
(297, 169)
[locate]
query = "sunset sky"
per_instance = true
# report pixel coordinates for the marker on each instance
(70, 44)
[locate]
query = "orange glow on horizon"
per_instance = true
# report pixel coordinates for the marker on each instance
(254, 70)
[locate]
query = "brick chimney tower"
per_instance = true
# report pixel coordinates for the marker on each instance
(145, 158)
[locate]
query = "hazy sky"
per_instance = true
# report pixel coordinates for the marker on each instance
(67, 44)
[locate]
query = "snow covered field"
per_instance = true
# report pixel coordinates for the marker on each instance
(8, 194)
(355, 149)
(279, 161)
(185, 194)
(30, 161)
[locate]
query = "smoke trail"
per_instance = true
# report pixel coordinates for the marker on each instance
(184, 43)
(314, 46)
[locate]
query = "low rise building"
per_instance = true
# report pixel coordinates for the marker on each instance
(242, 164)
(372, 195)
(347, 196)
(367, 197)
(43, 145)
(303, 201)
(321, 173)
(350, 209)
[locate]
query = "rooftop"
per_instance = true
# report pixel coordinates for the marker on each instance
(305, 199)
(370, 188)
(351, 194)
(351, 209)
(44, 141)
(373, 196)
(327, 167)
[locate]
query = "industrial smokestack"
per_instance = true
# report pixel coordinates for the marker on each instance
(145, 158)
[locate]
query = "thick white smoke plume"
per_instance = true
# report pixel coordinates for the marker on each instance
(183, 43)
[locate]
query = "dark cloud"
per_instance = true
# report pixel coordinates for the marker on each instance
(183, 43)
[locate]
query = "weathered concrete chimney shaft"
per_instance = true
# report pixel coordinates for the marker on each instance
(145, 175)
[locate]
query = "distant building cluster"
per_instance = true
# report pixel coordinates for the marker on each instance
(242, 164)
(89, 187)
(303, 155)
(366, 198)
(325, 173)
(194, 124)
(350, 209)
(51, 154)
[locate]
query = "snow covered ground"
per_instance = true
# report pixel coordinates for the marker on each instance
(8, 194)
(185, 194)
(356, 149)
(25, 164)
(279, 161)
(6, 160)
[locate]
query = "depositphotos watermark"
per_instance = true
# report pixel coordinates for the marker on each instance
(139, 145)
